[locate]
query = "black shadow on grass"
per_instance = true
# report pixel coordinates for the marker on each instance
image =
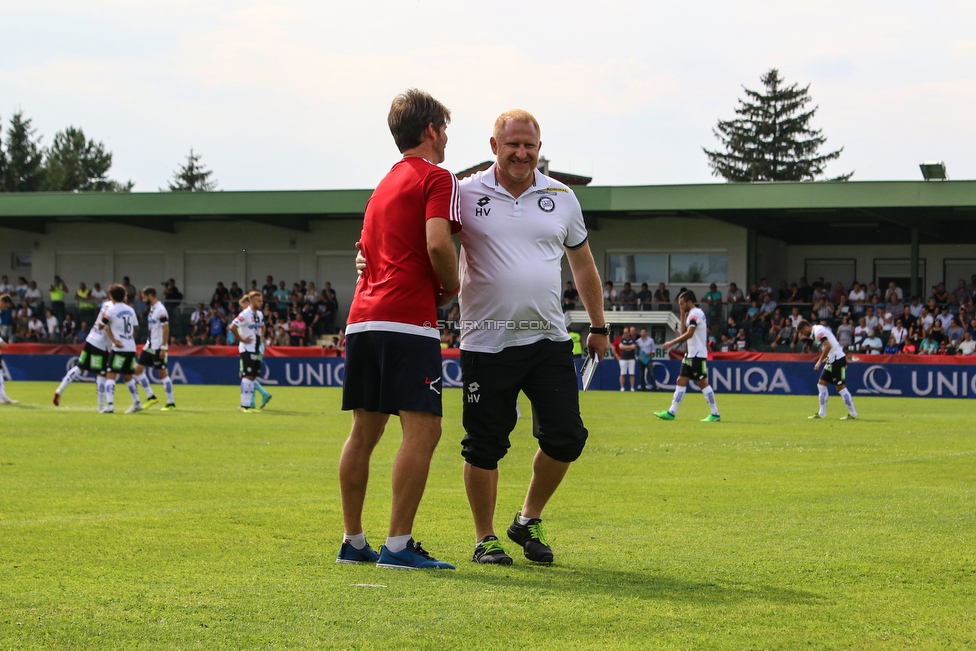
(639, 585)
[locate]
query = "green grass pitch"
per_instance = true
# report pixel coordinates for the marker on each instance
(210, 529)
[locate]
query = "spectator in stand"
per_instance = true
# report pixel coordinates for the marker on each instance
(35, 329)
(954, 332)
(742, 341)
(857, 297)
(754, 294)
(627, 298)
(837, 293)
(172, 297)
(871, 318)
(296, 329)
(322, 310)
(216, 327)
(785, 293)
(775, 324)
(282, 337)
(962, 294)
(892, 347)
(22, 318)
(764, 288)
(767, 309)
(570, 296)
(861, 332)
(58, 291)
(953, 307)
(906, 318)
(928, 346)
(723, 345)
(222, 295)
(627, 356)
(217, 305)
(940, 294)
(845, 332)
(711, 303)
(662, 297)
(926, 319)
(872, 344)
(21, 289)
(645, 297)
(872, 290)
(937, 332)
(646, 348)
(843, 309)
(916, 307)
(894, 297)
(915, 335)
(732, 327)
(609, 296)
(945, 349)
(281, 297)
(68, 329)
(235, 292)
(899, 333)
(6, 287)
(7, 317)
(130, 291)
(804, 291)
(967, 346)
(269, 289)
(887, 324)
(795, 317)
(945, 317)
(735, 298)
(752, 319)
(823, 309)
(33, 297)
(98, 295)
(52, 328)
(82, 333)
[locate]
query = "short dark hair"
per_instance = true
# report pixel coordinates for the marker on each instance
(687, 295)
(117, 292)
(149, 290)
(803, 324)
(5, 298)
(410, 114)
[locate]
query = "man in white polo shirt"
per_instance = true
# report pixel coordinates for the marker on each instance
(518, 224)
(835, 368)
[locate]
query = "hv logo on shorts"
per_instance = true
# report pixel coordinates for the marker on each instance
(472, 391)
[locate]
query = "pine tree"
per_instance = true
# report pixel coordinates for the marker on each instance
(74, 163)
(23, 171)
(771, 139)
(192, 177)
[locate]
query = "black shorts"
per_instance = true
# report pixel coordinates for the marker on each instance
(546, 373)
(389, 372)
(150, 358)
(251, 364)
(694, 368)
(122, 362)
(93, 359)
(835, 373)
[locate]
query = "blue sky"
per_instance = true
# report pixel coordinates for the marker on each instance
(294, 95)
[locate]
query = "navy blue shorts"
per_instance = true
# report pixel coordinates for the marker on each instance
(387, 372)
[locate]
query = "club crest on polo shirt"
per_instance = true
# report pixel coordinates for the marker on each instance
(546, 204)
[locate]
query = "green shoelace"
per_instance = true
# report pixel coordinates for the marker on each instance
(538, 533)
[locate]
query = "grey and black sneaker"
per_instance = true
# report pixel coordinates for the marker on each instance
(532, 538)
(490, 552)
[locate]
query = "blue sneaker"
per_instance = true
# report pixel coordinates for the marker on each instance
(414, 557)
(349, 554)
(265, 400)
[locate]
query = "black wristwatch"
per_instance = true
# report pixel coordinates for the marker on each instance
(605, 330)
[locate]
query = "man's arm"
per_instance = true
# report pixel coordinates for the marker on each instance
(443, 256)
(688, 334)
(590, 288)
(824, 351)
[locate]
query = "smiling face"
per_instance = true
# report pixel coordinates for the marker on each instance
(516, 147)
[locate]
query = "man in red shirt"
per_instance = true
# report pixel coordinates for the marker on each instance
(393, 355)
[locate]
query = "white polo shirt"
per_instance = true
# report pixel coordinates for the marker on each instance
(511, 261)
(698, 344)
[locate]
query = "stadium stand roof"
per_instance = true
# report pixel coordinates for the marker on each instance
(879, 212)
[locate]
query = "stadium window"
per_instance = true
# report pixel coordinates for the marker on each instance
(699, 268)
(637, 268)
